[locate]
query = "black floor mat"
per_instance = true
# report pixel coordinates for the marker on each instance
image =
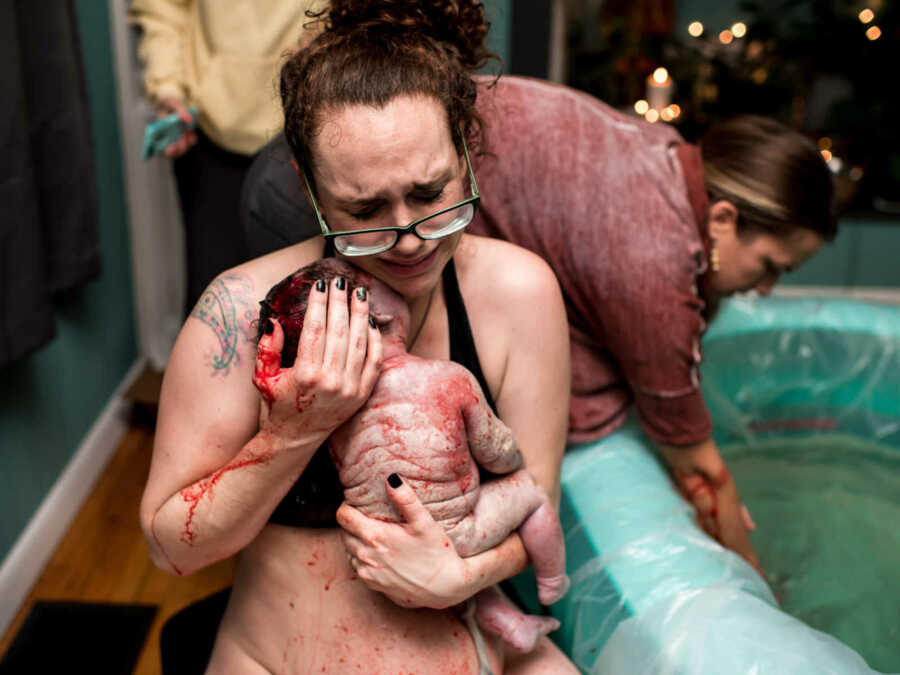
(65, 637)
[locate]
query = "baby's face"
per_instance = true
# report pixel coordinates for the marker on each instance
(388, 308)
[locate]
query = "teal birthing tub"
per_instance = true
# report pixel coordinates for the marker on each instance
(805, 397)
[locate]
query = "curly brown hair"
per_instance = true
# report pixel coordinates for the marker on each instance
(372, 51)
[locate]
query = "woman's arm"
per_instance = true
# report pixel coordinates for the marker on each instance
(705, 481)
(520, 329)
(163, 26)
(215, 477)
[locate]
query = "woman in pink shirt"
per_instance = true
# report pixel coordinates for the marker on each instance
(646, 233)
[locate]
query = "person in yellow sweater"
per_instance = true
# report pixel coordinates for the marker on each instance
(223, 58)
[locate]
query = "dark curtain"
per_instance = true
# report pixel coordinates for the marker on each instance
(48, 194)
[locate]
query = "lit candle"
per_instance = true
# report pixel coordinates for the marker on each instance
(659, 89)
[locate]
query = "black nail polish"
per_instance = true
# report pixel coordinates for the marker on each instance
(394, 481)
(361, 293)
(270, 327)
(320, 285)
(341, 283)
(372, 322)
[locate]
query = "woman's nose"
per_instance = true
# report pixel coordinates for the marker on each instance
(408, 244)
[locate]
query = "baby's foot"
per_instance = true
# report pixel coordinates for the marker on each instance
(522, 633)
(551, 589)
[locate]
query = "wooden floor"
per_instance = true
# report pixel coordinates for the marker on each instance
(103, 557)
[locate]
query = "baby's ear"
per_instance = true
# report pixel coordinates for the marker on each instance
(382, 319)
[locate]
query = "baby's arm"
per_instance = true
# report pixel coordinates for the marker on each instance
(515, 502)
(491, 442)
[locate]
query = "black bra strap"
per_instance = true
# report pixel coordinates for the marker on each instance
(462, 344)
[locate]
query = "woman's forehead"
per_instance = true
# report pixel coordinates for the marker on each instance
(361, 150)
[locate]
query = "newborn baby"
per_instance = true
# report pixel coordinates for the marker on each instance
(428, 422)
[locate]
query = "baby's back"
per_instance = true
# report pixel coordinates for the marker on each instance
(412, 425)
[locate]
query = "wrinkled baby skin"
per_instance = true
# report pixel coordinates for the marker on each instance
(428, 422)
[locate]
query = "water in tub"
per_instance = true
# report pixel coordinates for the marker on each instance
(827, 510)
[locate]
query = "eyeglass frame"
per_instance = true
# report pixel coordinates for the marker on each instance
(327, 232)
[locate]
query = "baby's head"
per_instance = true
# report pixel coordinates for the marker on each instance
(286, 302)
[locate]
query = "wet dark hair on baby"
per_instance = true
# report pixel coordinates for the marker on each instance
(372, 51)
(286, 301)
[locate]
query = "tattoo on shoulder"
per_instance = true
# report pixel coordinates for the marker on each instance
(227, 307)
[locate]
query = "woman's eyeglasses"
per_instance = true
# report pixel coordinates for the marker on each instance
(374, 240)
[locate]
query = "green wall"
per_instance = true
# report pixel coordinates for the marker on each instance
(498, 12)
(864, 253)
(49, 400)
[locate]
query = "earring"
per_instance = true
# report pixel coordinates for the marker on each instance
(714, 258)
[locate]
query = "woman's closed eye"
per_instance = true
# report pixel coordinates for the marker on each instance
(428, 197)
(365, 214)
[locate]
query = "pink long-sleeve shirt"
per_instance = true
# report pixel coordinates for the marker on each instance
(617, 207)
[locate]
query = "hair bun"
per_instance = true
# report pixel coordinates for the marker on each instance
(458, 23)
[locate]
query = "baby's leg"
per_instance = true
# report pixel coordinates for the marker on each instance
(514, 502)
(543, 539)
(498, 616)
(503, 504)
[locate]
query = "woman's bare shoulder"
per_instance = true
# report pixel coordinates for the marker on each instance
(514, 304)
(221, 329)
(511, 273)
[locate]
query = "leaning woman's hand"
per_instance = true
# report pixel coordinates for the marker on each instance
(704, 480)
(413, 562)
(338, 361)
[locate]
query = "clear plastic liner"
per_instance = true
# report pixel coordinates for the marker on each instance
(651, 592)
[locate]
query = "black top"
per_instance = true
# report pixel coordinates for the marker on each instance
(314, 499)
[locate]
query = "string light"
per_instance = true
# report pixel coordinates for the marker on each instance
(695, 29)
(641, 106)
(866, 15)
(666, 114)
(676, 109)
(739, 29)
(873, 32)
(826, 155)
(760, 75)
(726, 36)
(651, 115)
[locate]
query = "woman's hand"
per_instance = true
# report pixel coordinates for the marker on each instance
(168, 106)
(413, 562)
(704, 480)
(337, 365)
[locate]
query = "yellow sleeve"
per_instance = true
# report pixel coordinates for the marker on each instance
(163, 25)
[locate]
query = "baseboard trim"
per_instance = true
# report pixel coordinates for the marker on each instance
(25, 562)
